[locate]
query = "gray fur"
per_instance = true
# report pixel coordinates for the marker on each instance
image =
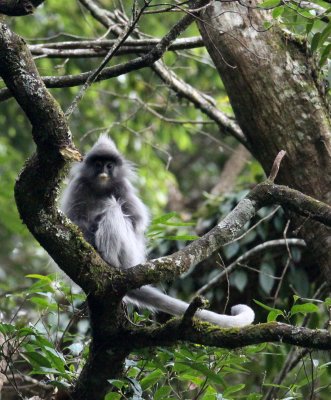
(114, 220)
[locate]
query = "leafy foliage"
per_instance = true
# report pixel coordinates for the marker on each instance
(53, 349)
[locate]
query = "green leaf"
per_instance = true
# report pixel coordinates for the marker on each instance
(304, 308)
(272, 316)
(212, 376)
(113, 396)
(6, 329)
(177, 223)
(270, 3)
(151, 379)
(239, 280)
(231, 249)
(25, 332)
(41, 302)
(309, 26)
(162, 392)
(254, 396)
(56, 359)
(265, 306)
(40, 277)
(265, 277)
(277, 12)
(327, 302)
(325, 54)
(117, 383)
(36, 360)
(233, 389)
(325, 34)
(164, 218)
(181, 237)
(315, 41)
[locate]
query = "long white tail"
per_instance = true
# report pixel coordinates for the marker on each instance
(152, 298)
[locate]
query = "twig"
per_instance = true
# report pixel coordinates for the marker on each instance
(276, 165)
(120, 40)
(196, 97)
(287, 264)
(246, 256)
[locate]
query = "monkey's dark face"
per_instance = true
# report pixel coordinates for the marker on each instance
(103, 171)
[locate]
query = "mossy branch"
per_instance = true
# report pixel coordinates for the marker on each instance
(210, 335)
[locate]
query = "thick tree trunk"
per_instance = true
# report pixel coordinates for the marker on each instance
(272, 86)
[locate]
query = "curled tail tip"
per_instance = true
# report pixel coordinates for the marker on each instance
(245, 312)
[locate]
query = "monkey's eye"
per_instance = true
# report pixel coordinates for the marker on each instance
(98, 164)
(109, 166)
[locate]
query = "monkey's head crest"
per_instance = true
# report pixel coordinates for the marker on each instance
(104, 144)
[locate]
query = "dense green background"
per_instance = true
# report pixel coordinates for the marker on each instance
(168, 153)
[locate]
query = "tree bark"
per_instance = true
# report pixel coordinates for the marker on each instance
(279, 104)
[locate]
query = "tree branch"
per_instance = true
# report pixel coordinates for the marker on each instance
(266, 193)
(99, 48)
(202, 333)
(178, 85)
(141, 62)
(118, 42)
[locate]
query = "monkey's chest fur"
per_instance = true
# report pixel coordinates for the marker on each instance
(108, 221)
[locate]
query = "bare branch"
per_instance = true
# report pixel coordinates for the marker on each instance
(199, 100)
(138, 63)
(110, 20)
(99, 48)
(93, 76)
(271, 244)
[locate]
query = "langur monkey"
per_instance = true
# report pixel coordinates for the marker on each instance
(102, 201)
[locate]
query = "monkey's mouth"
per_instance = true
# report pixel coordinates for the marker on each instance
(103, 177)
